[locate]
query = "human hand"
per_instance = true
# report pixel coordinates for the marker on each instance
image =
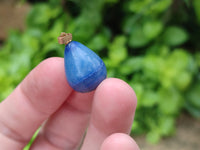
(44, 97)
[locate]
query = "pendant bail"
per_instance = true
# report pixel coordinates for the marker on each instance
(65, 38)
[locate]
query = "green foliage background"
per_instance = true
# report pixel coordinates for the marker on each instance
(151, 44)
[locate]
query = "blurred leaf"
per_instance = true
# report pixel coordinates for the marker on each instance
(196, 4)
(188, 2)
(138, 5)
(57, 28)
(149, 6)
(112, 1)
(193, 95)
(30, 45)
(100, 41)
(117, 50)
(111, 73)
(160, 5)
(193, 110)
(179, 59)
(137, 37)
(174, 36)
(131, 65)
(182, 80)
(52, 50)
(153, 137)
(150, 98)
(139, 90)
(39, 16)
(152, 29)
(35, 32)
(166, 125)
(84, 26)
(170, 101)
(197, 59)
(152, 66)
(14, 41)
(128, 23)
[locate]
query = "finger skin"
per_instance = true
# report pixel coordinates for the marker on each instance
(113, 111)
(41, 93)
(119, 141)
(66, 127)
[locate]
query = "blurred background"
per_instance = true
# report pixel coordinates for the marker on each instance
(151, 44)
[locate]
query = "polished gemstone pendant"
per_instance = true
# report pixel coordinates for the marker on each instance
(84, 69)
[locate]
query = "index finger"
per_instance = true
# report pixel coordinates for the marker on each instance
(41, 93)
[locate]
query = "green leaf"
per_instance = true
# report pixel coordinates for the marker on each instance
(138, 5)
(137, 38)
(177, 70)
(152, 66)
(174, 36)
(111, 1)
(39, 16)
(188, 2)
(194, 111)
(196, 4)
(152, 29)
(56, 29)
(100, 41)
(117, 50)
(178, 60)
(166, 125)
(14, 41)
(139, 90)
(153, 137)
(150, 98)
(160, 6)
(197, 58)
(148, 7)
(170, 101)
(52, 50)
(82, 29)
(182, 80)
(193, 95)
(131, 65)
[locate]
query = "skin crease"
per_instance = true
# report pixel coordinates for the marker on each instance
(45, 98)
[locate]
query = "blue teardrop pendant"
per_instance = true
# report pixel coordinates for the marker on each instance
(84, 69)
